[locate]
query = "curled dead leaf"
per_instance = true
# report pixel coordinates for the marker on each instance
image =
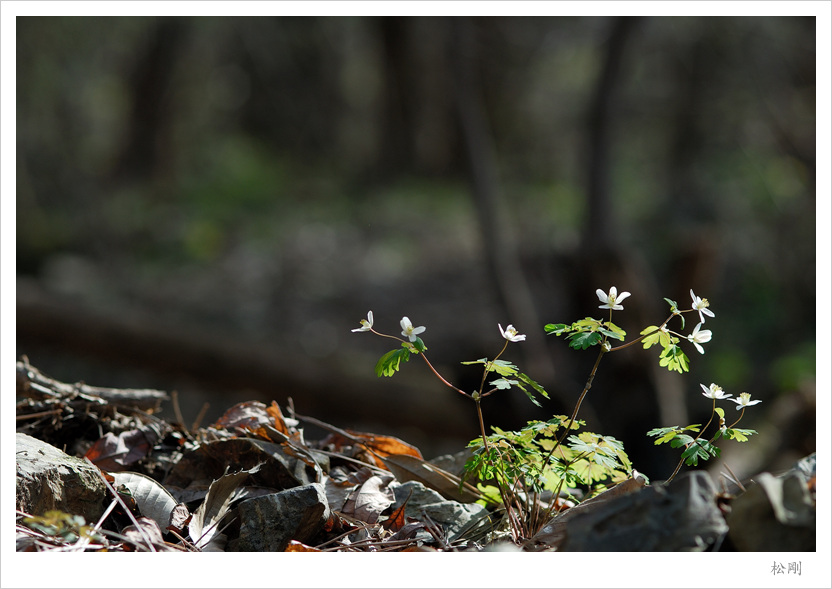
(409, 468)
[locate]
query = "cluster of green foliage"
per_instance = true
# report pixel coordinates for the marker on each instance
(511, 467)
(532, 459)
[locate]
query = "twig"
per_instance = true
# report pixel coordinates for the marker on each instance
(200, 416)
(736, 479)
(124, 505)
(39, 414)
(177, 411)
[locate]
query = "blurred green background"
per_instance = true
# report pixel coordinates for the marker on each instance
(210, 205)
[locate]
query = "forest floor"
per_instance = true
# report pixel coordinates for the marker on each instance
(99, 471)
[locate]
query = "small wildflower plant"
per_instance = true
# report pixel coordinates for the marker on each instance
(517, 468)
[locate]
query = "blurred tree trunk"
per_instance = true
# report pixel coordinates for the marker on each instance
(633, 392)
(495, 222)
(397, 116)
(599, 230)
(146, 148)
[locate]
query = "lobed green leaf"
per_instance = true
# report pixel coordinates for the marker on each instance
(391, 361)
(699, 449)
(583, 340)
(555, 328)
(673, 358)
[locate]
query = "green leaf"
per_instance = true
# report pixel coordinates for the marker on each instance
(666, 434)
(720, 411)
(611, 334)
(674, 359)
(555, 328)
(666, 437)
(739, 435)
(699, 449)
(503, 383)
(603, 456)
(583, 340)
(537, 387)
(390, 362)
(419, 345)
(529, 394)
(613, 331)
(501, 367)
(673, 306)
(652, 336)
(681, 440)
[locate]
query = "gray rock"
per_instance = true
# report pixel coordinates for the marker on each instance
(682, 516)
(776, 514)
(269, 522)
(49, 479)
(454, 517)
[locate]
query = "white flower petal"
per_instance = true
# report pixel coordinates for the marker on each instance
(366, 324)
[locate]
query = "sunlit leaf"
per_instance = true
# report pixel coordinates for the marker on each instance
(390, 362)
(739, 435)
(152, 499)
(652, 335)
(666, 434)
(699, 449)
(534, 385)
(587, 323)
(503, 383)
(673, 358)
(613, 331)
(204, 524)
(501, 367)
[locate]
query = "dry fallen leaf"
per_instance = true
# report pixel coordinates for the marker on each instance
(372, 498)
(295, 546)
(205, 521)
(152, 499)
(409, 468)
(279, 421)
(397, 521)
(150, 531)
(115, 453)
(376, 447)
(249, 414)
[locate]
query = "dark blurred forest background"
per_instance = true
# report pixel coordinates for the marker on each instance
(210, 205)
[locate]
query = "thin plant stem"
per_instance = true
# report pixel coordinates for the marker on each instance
(738, 419)
(587, 386)
(485, 368)
(638, 340)
(698, 435)
(442, 378)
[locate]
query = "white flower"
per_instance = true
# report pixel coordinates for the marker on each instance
(511, 334)
(366, 324)
(715, 392)
(745, 401)
(409, 331)
(699, 337)
(611, 300)
(701, 305)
